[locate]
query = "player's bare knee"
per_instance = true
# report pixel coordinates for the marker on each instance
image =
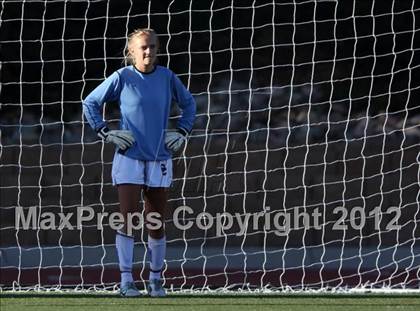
(157, 234)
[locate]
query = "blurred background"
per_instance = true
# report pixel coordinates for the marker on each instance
(301, 105)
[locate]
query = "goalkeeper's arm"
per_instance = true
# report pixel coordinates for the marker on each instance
(92, 108)
(175, 139)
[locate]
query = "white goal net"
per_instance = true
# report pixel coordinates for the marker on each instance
(301, 173)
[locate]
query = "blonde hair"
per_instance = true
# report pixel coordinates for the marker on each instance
(136, 34)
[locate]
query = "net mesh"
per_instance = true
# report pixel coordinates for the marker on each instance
(307, 135)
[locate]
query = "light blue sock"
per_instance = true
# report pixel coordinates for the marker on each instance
(157, 248)
(125, 247)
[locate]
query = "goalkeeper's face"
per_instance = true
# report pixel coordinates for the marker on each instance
(143, 50)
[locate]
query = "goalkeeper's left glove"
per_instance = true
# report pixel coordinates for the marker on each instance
(122, 138)
(175, 139)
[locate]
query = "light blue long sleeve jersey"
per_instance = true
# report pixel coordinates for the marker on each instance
(145, 103)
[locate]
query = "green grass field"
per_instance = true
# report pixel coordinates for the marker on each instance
(215, 303)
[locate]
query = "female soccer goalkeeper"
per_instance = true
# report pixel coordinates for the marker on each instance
(142, 160)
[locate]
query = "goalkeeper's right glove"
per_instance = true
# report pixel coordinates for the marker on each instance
(175, 139)
(123, 139)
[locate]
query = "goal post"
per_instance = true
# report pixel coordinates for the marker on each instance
(301, 173)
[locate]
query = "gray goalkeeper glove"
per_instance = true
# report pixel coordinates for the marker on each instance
(123, 139)
(175, 139)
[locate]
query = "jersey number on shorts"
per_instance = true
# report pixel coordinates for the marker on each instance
(163, 169)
